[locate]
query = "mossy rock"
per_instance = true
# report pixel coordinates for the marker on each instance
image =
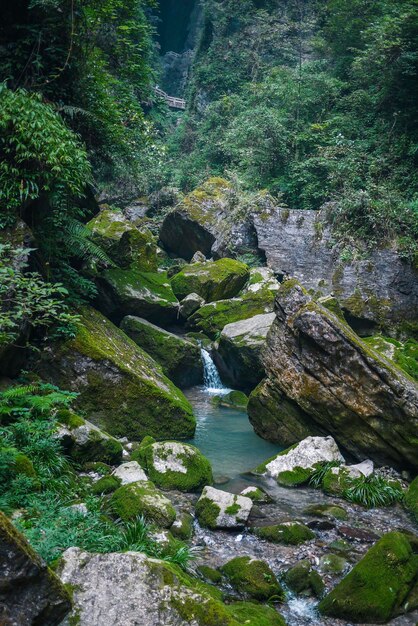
(232, 400)
(377, 588)
(332, 563)
(288, 533)
(211, 318)
(335, 481)
(175, 465)
(180, 359)
(403, 353)
(220, 509)
(253, 579)
(301, 578)
(212, 280)
(255, 615)
(332, 511)
(89, 444)
(22, 465)
(125, 244)
(411, 498)
(121, 388)
(105, 485)
(69, 418)
(210, 574)
(142, 498)
(148, 295)
(256, 494)
(182, 528)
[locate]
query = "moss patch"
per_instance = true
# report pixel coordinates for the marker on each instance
(107, 484)
(142, 498)
(253, 578)
(207, 513)
(327, 510)
(212, 280)
(302, 578)
(291, 533)
(404, 354)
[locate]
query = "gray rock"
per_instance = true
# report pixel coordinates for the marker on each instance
(341, 385)
(220, 509)
(129, 472)
(190, 304)
(87, 443)
(238, 353)
(30, 593)
(198, 257)
(299, 243)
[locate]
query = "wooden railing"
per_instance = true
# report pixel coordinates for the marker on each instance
(174, 103)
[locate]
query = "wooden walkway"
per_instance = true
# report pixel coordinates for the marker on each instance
(173, 103)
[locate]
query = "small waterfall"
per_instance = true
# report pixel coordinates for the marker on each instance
(211, 378)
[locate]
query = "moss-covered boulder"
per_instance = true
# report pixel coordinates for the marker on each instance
(303, 579)
(378, 587)
(142, 498)
(180, 359)
(332, 511)
(239, 349)
(253, 579)
(212, 280)
(190, 304)
(86, 443)
(30, 593)
(159, 593)
(124, 292)
(411, 498)
(182, 528)
(105, 485)
(220, 509)
(332, 563)
(232, 400)
(257, 298)
(287, 533)
(175, 465)
(124, 243)
(295, 465)
(121, 388)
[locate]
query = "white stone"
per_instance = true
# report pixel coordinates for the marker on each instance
(224, 500)
(168, 456)
(308, 452)
(130, 472)
(365, 468)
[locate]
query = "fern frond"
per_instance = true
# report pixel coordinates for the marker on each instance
(18, 392)
(79, 239)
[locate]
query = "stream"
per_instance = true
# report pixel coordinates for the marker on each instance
(226, 437)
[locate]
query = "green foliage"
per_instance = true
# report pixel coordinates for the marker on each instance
(320, 471)
(27, 301)
(373, 491)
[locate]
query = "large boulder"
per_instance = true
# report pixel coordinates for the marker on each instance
(381, 586)
(142, 498)
(253, 579)
(158, 593)
(30, 593)
(206, 221)
(220, 509)
(257, 298)
(212, 280)
(380, 288)
(131, 292)
(124, 243)
(121, 388)
(346, 388)
(296, 464)
(180, 359)
(86, 443)
(175, 465)
(238, 353)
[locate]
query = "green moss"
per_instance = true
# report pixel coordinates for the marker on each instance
(411, 498)
(404, 354)
(232, 400)
(378, 586)
(233, 509)
(183, 526)
(23, 465)
(98, 447)
(198, 472)
(291, 534)
(69, 418)
(99, 468)
(295, 477)
(212, 280)
(211, 575)
(332, 563)
(207, 513)
(327, 510)
(334, 484)
(257, 495)
(302, 578)
(255, 615)
(253, 578)
(107, 484)
(142, 498)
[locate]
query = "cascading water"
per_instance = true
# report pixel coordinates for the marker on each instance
(211, 378)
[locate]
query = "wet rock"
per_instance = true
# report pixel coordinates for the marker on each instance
(130, 472)
(288, 533)
(332, 511)
(253, 578)
(296, 464)
(142, 498)
(232, 400)
(30, 593)
(332, 564)
(180, 359)
(380, 288)
(212, 280)
(357, 534)
(124, 292)
(218, 509)
(102, 362)
(125, 244)
(158, 592)
(344, 387)
(238, 353)
(321, 524)
(379, 586)
(256, 494)
(190, 304)
(303, 579)
(175, 465)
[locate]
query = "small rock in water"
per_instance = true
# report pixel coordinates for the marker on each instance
(358, 534)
